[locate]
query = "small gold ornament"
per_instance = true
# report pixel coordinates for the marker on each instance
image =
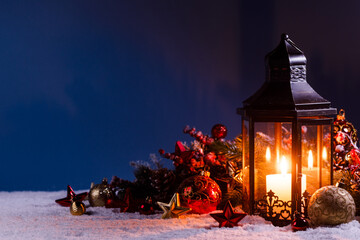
(173, 208)
(331, 205)
(77, 208)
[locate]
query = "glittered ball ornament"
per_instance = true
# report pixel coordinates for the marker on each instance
(99, 194)
(200, 193)
(219, 131)
(77, 208)
(331, 205)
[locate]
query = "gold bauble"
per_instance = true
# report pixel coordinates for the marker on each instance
(331, 205)
(99, 194)
(77, 208)
(97, 198)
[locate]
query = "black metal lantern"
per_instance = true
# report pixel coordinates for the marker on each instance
(287, 132)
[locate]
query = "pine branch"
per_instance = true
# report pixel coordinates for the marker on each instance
(232, 151)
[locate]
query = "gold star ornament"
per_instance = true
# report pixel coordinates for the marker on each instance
(173, 208)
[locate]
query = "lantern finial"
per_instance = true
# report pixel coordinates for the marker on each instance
(284, 36)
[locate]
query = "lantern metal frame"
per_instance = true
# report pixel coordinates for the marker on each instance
(284, 97)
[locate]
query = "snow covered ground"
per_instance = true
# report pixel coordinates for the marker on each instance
(35, 215)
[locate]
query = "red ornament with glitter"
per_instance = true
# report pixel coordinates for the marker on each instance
(299, 223)
(219, 131)
(147, 207)
(200, 193)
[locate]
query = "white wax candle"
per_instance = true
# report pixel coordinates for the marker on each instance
(280, 184)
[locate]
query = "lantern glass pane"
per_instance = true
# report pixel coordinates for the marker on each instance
(316, 156)
(310, 158)
(326, 156)
(272, 159)
(246, 162)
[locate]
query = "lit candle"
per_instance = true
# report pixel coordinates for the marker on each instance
(324, 153)
(283, 165)
(310, 160)
(312, 172)
(280, 184)
(267, 154)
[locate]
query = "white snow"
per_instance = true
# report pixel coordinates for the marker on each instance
(35, 215)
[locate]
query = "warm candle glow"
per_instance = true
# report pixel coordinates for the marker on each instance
(277, 157)
(310, 160)
(324, 153)
(267, 154)
(281, 184)
(283, 165)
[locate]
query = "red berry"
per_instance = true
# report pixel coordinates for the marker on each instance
(199, 134)
(209, 141)
(192, 132)
(187, 129)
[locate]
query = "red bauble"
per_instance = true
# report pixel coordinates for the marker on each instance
(219, 131)
(299, 223)
(200, 193)
(147, 207)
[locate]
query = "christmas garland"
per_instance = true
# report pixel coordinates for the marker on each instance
(213, 155)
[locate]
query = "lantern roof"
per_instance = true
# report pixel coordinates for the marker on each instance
(286, 91)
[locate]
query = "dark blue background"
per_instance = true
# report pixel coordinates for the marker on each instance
(88, 86)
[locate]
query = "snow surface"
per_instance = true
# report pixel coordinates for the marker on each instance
(35, 215)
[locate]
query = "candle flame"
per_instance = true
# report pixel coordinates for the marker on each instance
(310, 160)
(324, 153)
(267, 154)
(283, 165)
(277, 157)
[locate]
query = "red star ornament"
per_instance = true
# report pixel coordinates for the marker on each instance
(66, 202)
(228, 218)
